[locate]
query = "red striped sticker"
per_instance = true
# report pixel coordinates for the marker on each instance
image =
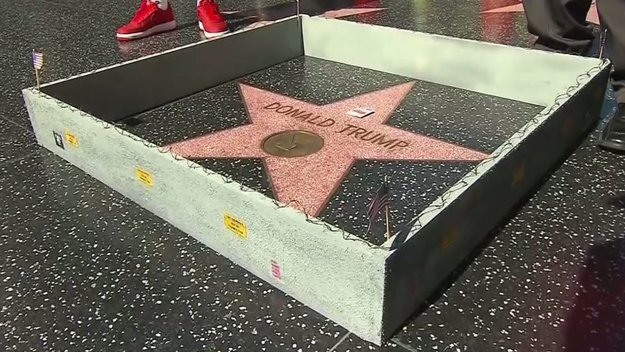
(275, 270)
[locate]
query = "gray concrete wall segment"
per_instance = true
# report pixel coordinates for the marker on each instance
(417, 269)
(341, 279)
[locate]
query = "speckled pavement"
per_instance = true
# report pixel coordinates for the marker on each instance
(84, 269)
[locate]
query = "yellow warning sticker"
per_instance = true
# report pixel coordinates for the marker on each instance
(235, 225)
(568, 125)
(518, 174)
(71, 139)
(449, 239)
(145, 177)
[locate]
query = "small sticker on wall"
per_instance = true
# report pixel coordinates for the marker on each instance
(518, 174)
(413, 287)
(449, 239)
(145, 177)
(71, 139)
(235, 225)
(58, 139)
(276, 271)
(599, 93)
(568, 125)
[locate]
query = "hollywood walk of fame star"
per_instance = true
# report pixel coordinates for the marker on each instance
(593, 14)
(307, 182)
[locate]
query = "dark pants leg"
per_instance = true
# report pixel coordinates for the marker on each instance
(612, 13)
(561, 25)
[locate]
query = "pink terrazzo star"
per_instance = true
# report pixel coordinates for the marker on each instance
(593, 14)
(308, 182)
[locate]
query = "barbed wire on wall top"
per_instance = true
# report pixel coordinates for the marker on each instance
(410, 228)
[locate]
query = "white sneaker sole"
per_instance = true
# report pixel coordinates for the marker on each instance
(211, 34)
(164, 27)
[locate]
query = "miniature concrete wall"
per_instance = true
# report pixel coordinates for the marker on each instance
(368, 290)
(420, 265)
(341, 279)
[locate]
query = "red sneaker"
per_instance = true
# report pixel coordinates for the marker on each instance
(210, 20)
(149, 19)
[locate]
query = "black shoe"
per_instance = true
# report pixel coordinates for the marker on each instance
(613, 136)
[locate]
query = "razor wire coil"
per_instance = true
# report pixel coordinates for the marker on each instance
(417, 222)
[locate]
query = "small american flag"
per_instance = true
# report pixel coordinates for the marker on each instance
(380, 201)
(37, 60)
(402, 235)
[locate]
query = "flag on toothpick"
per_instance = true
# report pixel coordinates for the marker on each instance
(37, 64)
(602, 39)
(37, 60)
(379, 202)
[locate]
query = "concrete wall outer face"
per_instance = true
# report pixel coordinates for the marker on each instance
(417, 269)
(341, 279)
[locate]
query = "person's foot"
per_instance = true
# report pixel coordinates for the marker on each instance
(149, 20)
(210, 20)
(613, 136)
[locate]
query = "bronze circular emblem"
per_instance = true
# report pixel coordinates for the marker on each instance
(291, 144)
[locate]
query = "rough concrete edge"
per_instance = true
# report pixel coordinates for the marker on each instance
(333, 268)
(452, 222)
(500, 153)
